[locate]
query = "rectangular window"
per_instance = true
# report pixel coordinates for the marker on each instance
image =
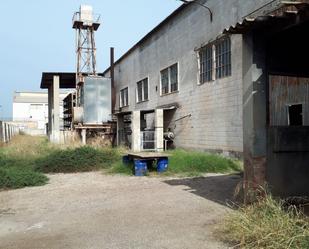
(36, 106)
(124, 97)
(295, 115)
(223, 58)
(174, 78)
(206, 64)
(169, 79)
(164, 81)
(142, 90)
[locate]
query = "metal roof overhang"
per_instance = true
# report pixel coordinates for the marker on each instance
(286, 14)
(67, 80)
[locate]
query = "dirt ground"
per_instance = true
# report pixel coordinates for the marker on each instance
(95, 211)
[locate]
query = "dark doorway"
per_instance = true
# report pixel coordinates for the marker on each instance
(295, 115)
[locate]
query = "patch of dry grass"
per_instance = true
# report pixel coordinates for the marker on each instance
(267, 224)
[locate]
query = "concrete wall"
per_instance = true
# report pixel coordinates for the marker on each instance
(216, 107)
(7, 132)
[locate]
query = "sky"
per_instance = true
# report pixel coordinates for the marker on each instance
(36, 36)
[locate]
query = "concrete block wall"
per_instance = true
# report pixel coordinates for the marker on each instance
(215, 107)
(7, 132)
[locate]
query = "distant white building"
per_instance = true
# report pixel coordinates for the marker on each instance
(30, 110)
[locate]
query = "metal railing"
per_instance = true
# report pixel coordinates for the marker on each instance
(77, 18)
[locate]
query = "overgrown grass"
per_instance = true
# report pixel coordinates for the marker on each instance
(120, 168)
(17, 163)
(24, 160)
(80, 159)
(194, 163)
(16, 177)
(267, 224)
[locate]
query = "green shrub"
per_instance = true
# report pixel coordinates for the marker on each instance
(266, 224)
(13, 177)
(80, 159)
(194, 163)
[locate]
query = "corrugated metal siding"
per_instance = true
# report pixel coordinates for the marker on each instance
(283, 91)
(97, 100)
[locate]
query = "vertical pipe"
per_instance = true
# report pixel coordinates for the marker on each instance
(112, 75)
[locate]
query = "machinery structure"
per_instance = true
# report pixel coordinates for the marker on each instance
(88, 109)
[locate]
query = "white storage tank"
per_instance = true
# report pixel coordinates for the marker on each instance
(86, 14)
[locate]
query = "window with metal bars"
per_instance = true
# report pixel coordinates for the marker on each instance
(142, 90)
(206, 64)
(169, 79)
(124, 97)
(223, 58)
(215, 60)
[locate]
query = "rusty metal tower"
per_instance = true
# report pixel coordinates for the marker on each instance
(85, 22)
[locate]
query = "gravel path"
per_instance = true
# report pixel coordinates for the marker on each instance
(95, 211)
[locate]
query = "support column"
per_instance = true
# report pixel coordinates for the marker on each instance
(136, 131)
(84, 136)
(50, 112)
(5, 130)
(10, 131)
(254, 113)
(55, 111)
(8, 135)
(159, 130)
(2, 132)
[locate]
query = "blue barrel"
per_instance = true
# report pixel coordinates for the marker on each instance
(125, 160)
(140, 168)
(162, 165)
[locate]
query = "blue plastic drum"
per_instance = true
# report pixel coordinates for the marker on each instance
(162, 165)
(140, 168)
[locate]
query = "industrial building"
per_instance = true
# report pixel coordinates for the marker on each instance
(30, 111)
(230, 77)
(219, 76)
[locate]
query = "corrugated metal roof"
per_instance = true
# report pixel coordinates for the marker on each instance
(282, 13)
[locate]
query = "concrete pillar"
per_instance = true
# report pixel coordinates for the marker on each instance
(254, 112)
(5, 136)
(136, 131)
(7, 129)
(50, 112)
(159, 132)
(11, 131)
(84, 136)
(55, 129)
(1, 131)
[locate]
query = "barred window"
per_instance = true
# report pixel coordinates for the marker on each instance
(223, 58)
(206, 64)
(142, 90)
(169, 79)
(174, 78)
(164, 81)
(124, 97)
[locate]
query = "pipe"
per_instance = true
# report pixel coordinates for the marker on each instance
(112, 75)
